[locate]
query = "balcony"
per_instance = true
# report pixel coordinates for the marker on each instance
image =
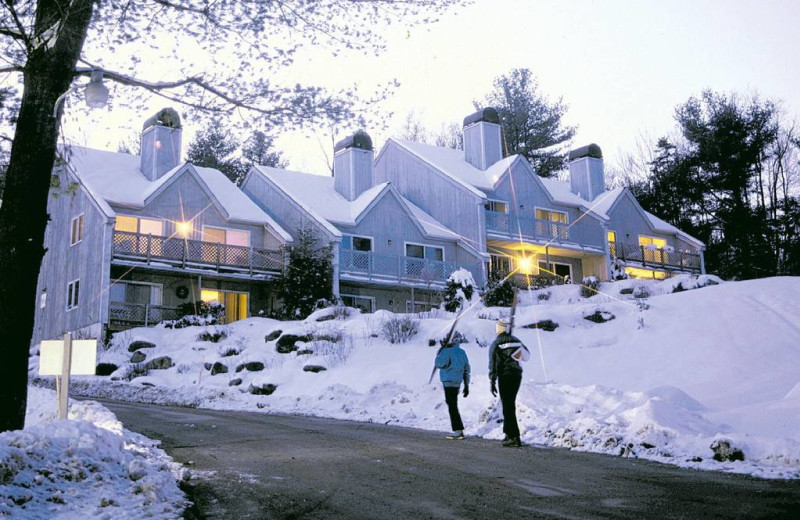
(529, 228)
(125, 315)
(179, 252)
(656, 258)
(371, 266)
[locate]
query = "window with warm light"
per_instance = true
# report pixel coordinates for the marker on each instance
(646, 241)
(144, 226)
(235, 303)
(497, 206)
(552, 216)
(231, 237)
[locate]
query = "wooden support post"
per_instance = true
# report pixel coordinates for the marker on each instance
(66, 363)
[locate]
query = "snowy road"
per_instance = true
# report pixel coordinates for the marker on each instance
(256, 466)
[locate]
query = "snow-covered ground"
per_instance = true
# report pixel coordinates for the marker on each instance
(675, 377)
(87, 467)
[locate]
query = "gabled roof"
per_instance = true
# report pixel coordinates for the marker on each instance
(451, 163)
(609, 202)
(318, 197)
(115, 178)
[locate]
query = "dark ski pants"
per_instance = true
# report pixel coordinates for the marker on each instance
(509, 386)
(451, 398)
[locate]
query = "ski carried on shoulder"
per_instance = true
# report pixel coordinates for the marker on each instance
(447, 340)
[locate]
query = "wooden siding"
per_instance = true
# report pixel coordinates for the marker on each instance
(439, 196)
(628, 223)
(63, 263)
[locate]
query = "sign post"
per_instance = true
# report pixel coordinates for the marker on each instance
(61, 358)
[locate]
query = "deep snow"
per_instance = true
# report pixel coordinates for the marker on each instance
(666, 378)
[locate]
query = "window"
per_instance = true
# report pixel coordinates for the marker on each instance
(496, 205)
(144, 226)
(419, 258)
(365, 303)
(43, 300)
(137, 293)
(612, 243)
(652, 242)
(499, 265)
(231, 237)
(356, 252)
(556, 269)
(76, 234)
(419, 306)
(552, 223)
(72, 294)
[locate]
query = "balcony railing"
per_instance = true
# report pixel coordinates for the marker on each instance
(391, 268)
(195, 253)
(658, 258)
(123, 314)
(529, 227)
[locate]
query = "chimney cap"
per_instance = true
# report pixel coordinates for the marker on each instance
(360, 139)
(487, 114)
(165, 117)
(590, 150)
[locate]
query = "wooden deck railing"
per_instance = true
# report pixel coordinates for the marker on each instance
(529, 227)
(658, 258)
(133, 314)
(396, 268)
(184, 253)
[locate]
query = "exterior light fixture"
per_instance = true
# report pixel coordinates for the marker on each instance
(96, 94)
(525, 264)
(184, 228)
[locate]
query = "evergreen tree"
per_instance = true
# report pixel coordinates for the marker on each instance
(532, 125)
(259, 149)
(308, 279)
(214, 147)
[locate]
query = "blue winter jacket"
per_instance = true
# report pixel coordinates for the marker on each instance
(453, 365)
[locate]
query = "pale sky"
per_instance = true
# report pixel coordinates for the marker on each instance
(621, 66)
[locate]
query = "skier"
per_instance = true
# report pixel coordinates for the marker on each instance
(453, 366)
(503, 366)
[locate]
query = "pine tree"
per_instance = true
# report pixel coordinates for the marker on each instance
(214, 147)
(308, 280)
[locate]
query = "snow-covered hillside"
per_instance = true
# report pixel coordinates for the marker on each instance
(668, 376)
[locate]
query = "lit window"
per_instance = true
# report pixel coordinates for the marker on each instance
(496, 205)
(657, 243)
(552, 216)
(72, 294)
(143, 226)
(76, 234)
(231, 237)
(612, 236)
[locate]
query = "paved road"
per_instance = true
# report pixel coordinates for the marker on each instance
(256, 466)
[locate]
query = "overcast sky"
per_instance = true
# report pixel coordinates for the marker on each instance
(620, 66)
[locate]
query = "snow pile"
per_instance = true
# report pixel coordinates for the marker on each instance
(89, 466)
(641, 369)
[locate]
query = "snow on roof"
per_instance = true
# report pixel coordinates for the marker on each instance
(666, 227)
(317, 195)
(603, 202)
(115, 178)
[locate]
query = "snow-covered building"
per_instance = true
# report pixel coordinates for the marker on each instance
(532, 225)
(388, 253)
(133, 237)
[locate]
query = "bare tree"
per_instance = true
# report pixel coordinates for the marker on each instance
(214, 57)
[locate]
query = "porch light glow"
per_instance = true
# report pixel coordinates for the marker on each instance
(525, 265)
(184, 228)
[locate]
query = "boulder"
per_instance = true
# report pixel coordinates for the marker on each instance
(105, 369)
(314, 368)
(272, 336)
(286, 343)
(235, 382)
(136, 345)
(161, 363)
(218, 368)
(138, 357)
(548, 325)
(600, 317)
(252, 366)
(267, 389)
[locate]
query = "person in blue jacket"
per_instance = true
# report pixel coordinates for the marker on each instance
(453, 366)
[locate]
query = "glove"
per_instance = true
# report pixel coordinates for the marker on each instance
(466, 391)
(493, 388)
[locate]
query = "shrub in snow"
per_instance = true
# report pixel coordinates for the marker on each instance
(500, 291)
(399, 329)
(213, 335)
(724, 451)
(618, 270)
(589, 286)
(460, 289)
(599, 317)
(626, 290)
(307, 282)
(229, 350)
(199, 313)
(267, 389)
(548, 325)
(543, 296)
(678, 288)
(286, 343)
(641, 292)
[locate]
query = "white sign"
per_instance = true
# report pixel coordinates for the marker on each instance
(83, 360)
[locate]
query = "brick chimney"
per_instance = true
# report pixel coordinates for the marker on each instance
(161, 144)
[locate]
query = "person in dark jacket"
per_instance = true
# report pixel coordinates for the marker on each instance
(506, 369)
(453, 366)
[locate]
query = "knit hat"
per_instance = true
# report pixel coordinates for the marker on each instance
(503, 325)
